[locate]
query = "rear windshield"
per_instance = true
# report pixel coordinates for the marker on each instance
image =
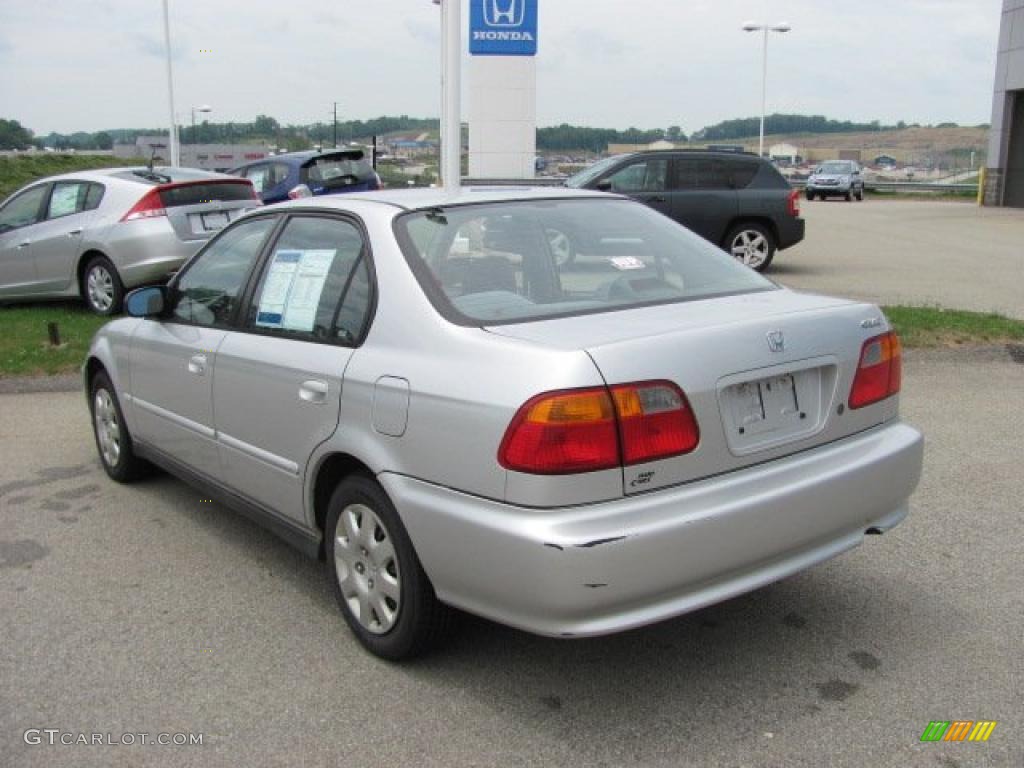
(337, 168)
(194, 194)
(537, 259)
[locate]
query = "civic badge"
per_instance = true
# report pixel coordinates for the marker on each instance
(776, 341)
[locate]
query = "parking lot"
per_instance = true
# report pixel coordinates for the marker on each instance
(953, 255)
(146, 609)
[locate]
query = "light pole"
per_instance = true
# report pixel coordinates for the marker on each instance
(753, 26)
(200, 108)
(173, 134)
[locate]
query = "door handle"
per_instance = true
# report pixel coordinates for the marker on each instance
(197, 365)
(24, 244)
(75, 232)
(313, 391)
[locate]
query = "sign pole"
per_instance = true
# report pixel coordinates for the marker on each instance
(451, 91)
(173, 133)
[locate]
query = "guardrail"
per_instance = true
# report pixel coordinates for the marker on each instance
(871, 186)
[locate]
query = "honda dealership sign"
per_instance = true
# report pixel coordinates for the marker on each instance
(503, 27)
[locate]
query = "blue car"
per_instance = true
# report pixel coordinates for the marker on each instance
(305, 174)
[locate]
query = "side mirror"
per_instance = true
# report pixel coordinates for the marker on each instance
(146, 302)
(604, 185)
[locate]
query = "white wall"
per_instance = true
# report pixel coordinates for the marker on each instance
(502, 116)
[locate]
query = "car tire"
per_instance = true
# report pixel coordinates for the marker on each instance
(113, 441)
(809, 195)
(102, 288)
(860, 195)
(848, 196)
(751, 244)
(384, 594)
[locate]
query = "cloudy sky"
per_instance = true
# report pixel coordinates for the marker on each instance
(69, 65)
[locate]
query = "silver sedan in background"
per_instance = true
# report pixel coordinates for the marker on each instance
(412, 387)
(96, 234)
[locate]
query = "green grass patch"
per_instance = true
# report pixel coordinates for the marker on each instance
(24, 342)
(935, 327)
(18, 170)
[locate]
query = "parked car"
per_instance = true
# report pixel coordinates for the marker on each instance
(735, 200)
(410, 386)
(836, 178)
(96, 234)
(305, 174)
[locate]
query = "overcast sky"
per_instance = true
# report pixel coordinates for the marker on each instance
(69, 65)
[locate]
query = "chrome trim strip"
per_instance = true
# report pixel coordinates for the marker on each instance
(181, 421)
(277, 462)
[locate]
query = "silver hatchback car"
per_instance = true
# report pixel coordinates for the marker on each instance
(412, 387)
(95, 234)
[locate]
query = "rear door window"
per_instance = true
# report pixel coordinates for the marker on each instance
(743, 173)
(315, 284)
(706, 173)
(66, 198)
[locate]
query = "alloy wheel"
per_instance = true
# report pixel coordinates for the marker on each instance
(751, 248)
(99, 285)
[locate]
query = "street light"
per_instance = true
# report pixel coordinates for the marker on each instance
(201, 108)
(451, 76)
(753, 26)
(172, 136)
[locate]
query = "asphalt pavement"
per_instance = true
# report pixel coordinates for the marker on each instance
(145, 609)
(952, 255)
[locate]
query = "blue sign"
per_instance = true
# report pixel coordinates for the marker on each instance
(503, 27)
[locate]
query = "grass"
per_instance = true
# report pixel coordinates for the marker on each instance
(24, 343)
(935, 327)
(18, 170)
(25, 349)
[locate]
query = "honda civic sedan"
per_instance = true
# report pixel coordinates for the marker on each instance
(95, 234)
(411, 387)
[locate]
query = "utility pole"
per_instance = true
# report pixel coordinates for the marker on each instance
(451, 114)
(335, 125)
(172, 135)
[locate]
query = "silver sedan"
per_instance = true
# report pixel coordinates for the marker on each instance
(412, 387)
(96, 234)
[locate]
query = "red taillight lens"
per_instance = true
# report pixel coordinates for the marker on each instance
(655, 421)
(149, 206)
(880, 372)
(590, 429)
(561, 433)
(793, 203)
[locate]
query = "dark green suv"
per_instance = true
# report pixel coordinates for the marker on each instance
(736, 200)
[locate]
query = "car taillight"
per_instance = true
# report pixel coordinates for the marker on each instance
(299, 192)
(793, 203)
(562, 432)
(587, 430)
(880, 371)
(655, 421)
(150, 206)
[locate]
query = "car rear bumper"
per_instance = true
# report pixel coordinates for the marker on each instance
(608, 567)
(791, 231)
(147, 252)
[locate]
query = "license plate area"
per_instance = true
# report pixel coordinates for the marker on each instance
(762, 410)
(206, 223)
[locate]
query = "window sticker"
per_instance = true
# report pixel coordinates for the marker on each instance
(64, 200)
(627, 262)
(291, 292)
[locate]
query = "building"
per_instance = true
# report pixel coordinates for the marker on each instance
(784, 153)
(1004, 177)
(209, 157)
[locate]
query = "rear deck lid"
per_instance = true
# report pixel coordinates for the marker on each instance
(766, 374)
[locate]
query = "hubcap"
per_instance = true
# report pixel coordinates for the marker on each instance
(367, 568)
(750, 247)
(108, 432)
(100, 287)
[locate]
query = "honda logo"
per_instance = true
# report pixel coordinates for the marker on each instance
(504, 13)
(776, 341)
